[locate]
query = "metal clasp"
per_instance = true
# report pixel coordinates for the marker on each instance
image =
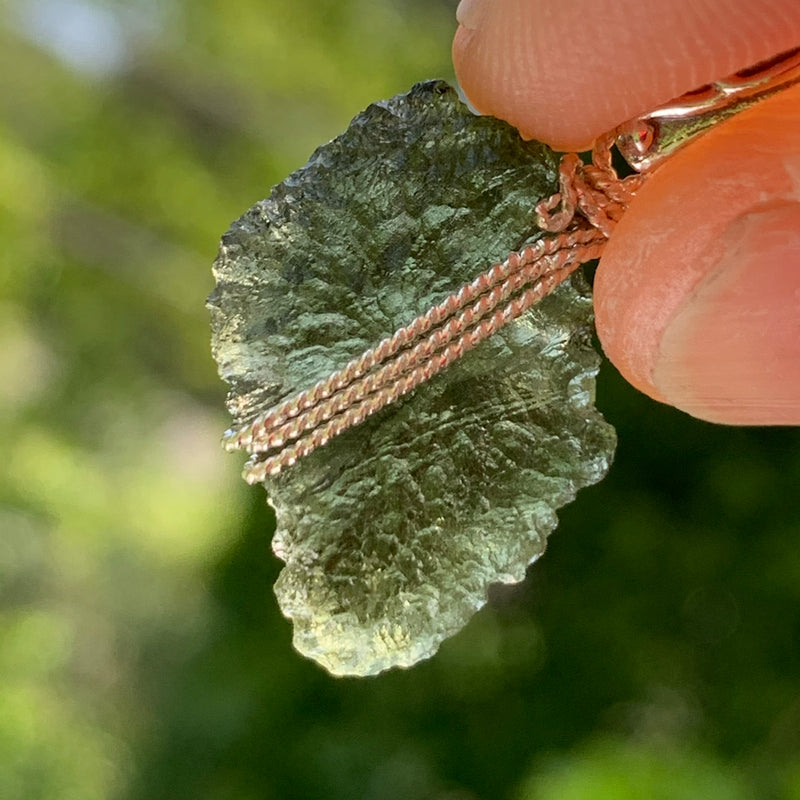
(647, 140)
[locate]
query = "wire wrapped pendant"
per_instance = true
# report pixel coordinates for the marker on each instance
(393, 531)
(416, 417)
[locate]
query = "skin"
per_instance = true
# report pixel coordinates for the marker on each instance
(697, 296)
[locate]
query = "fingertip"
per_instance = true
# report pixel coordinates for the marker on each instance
(506, 66)
(731, 352)
(698, 294)
(566, 72)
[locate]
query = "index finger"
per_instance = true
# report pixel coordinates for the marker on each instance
(568, 71)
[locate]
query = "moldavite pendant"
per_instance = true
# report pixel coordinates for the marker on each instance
(393, 531)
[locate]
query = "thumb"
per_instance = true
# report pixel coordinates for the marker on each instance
(698, 292)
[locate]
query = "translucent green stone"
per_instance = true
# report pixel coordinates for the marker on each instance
(393, 532)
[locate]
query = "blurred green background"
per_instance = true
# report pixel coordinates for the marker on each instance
(653, 652)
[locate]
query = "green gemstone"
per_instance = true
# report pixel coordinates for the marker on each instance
(393, 532)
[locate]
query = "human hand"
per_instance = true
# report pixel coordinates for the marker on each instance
(697, 296)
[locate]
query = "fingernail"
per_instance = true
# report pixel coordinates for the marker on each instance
(469, 13)
(731, 351)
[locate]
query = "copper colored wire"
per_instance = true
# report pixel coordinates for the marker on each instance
(265, 425)
(486, 292)
(355, 414)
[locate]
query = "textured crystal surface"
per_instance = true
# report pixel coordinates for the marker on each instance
(393, 532)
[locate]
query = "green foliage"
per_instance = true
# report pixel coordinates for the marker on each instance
(142, 654)
(627, 771)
